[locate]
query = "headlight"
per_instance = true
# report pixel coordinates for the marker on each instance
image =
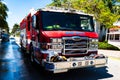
(93, 43)
(56, 43)
(56, 40)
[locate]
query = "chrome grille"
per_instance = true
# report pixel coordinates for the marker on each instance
(75, 45)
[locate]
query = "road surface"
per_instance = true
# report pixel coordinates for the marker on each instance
(15, 66)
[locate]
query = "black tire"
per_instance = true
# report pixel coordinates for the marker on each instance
(32, 58)
(21, 47)
(23, 50)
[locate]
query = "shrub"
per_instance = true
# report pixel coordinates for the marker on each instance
(105, 45)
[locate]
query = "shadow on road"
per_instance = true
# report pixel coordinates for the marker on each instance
(77, 74)
(84, 74)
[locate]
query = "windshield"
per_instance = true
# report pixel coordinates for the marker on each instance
(53, 21)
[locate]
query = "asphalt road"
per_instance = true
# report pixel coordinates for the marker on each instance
(15, 66)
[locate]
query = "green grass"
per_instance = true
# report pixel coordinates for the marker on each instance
(105, 45)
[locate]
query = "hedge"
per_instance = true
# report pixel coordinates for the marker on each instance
(105, 45)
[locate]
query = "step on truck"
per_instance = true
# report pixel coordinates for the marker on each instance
(61, 39)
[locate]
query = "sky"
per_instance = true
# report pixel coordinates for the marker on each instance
(18, 9)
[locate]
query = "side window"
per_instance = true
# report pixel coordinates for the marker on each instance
(37, 22)
(34, 21)
(86, 25)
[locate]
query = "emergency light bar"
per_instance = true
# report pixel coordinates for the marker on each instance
(61, 9)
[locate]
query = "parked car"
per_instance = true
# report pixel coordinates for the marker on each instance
(5, 37)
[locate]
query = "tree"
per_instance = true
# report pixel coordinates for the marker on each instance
(116, 7)
(3, 10)
(16, 27)
(113, 5)
(57, 3)
(118, 0)
(3, 15)
(4, 25)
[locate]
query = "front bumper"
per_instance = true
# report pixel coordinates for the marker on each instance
(58, 67)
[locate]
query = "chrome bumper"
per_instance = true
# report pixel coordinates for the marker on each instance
(58, 67)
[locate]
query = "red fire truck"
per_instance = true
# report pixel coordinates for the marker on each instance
(61, 39)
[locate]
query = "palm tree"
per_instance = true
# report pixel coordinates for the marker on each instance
(3, 15)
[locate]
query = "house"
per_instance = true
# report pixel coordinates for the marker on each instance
(114, 35)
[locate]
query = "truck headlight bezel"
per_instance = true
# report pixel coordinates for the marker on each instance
(56, 43)
(93, 43)
(56, 40)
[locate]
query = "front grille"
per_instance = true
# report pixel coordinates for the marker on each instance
(73, 46)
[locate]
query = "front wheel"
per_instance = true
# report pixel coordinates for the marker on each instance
(32, 60)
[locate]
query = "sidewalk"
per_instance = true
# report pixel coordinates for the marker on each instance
(115, 43)
(110, 53)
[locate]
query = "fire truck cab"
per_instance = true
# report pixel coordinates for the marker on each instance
(61, 39)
